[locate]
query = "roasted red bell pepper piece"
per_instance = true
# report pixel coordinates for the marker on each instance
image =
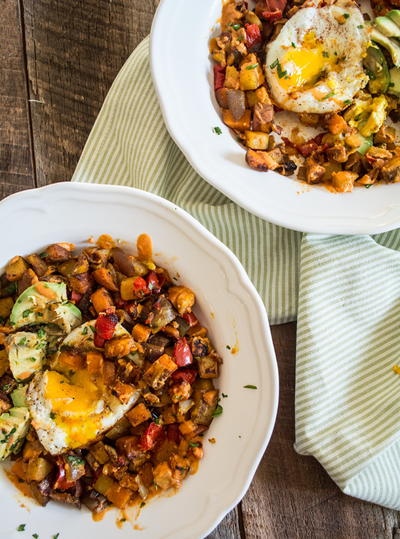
(191, 319)
(184, 375)
(219, 77)
(104, 328)
(151, 436)
(182, 353)
(272, 15)
(153, 284)
(140, 286)
(61, 482)
(253, 35)
(173, 433)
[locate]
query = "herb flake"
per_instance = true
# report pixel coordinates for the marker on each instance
(218, 411)
(217, 130)
(250, 386)
(252, 66)
(21, 528)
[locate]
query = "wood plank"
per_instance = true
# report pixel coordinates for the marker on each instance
(229, 528)
(74, 51)
(291, 495)
(16, 171)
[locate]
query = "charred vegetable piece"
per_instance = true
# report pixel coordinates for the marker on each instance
(16, 268)
(151, 436)
(182, 353)
(158, 373)
(161, 314)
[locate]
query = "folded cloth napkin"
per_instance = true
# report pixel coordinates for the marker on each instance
(346, 391)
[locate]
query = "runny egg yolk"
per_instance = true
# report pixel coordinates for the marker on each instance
(302, 66)
(73, 403)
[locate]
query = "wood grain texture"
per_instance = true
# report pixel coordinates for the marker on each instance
(16, 171)
(74, 51)
(291, 495)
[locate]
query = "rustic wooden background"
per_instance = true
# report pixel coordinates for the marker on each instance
(58, 59)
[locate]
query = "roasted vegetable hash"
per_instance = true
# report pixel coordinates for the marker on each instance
(106, 375)
(336, 67)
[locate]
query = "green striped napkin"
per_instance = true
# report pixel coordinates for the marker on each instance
(346, 391)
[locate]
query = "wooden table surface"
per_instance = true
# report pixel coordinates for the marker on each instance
(58, 59)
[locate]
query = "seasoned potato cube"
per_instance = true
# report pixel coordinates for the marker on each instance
(208, 366)
(262, 96)
(101, 300)
(104, 277)
(251, 74)
(100, 454)
(15, 268)
(4, 363)
(6, 304)
(138, 414)
(251, 97)
(95, 362)
(222, 97)
(123, 391)
(182, 298)
(256, 140)
(336, 124)
(343, 181)
(241, 125)
(38, 469)
(232, 78)
(118, 346)
(163, 476)
(141, 332)
(158, 373)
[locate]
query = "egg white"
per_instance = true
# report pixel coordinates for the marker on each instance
(334, 53)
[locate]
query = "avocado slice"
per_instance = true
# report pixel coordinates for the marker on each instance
(66, 315)
(394, 15)
(388, 43)
(388, 27)
(83, 335)
(394, 85)
(18, 396)
(13, 429)
(377, 70)
(26, 354)
(31, 305)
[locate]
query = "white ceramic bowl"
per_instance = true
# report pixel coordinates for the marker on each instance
(182, 73)
(226, 302)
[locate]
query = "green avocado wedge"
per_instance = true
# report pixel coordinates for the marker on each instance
(13, 429)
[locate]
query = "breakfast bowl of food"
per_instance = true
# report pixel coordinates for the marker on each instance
(289, 108)
(138, 382)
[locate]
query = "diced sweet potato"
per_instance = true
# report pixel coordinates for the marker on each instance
(139, 414)
(262, 96)
(263, 161)
(4, 363)
(163, 476)
(94, 362)
(141, 333)
(263, 116)
(118, 346)
(187, 427)
(241, 125)
(231, 78)
(38, 264)
(315, 173)
(108, 372)
(15, 268)
(71, 360)
(80, 283)
(144, 247)
(336, 124)
(256, 140)
(158, 373)
(101, 300)
(343, 181)
(182, 298)
(123, 391)
(6, 304)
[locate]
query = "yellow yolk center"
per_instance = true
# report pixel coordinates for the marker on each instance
(74, 402)
(302, 66)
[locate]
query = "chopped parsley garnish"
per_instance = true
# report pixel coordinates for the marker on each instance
(41, 332)
(218, 411)
(93, 329)
(279, 70)
(327, 96)
(368, 185)
(55, 536)
(293, 45)
(156, 420)
(194, 444)
(253, 66)
(53, 415)
(33, 359)
(236, 26)
(22, 341)
(274, 64)
(71, 372)
(360, 26)
(346, 15)
(347, 102)
(43, 255)
(8, 435)
(74, 460)
(217, 130)
(325, 54)
(26, 313)
(84, 331)
(228, 347)
(21, 528)
(224, 395)
(391, 84)
(250, 386)
(35, 536)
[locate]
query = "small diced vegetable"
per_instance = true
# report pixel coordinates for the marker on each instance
(256, 140)
(222, 97)
(236, 103)
(241, 124)
(95, 362)
(232, 78)
(182, 298)
(158, 373)
(38, 264)
(104, 277)
(59, 252)
(343, 181)
(6, 305)
(100, 454)
(208, 366)
(118, 346)
(37, 469)
(103, 484)
(182, 353)
(145, 247)
(138, 414)
(124, 391)
(118, 495)
(163, 476)
(15, 268)
(119, 429)
(150, 437)
(141, 333)
(105, 241)
(101, 300)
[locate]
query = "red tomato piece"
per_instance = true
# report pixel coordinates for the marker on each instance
(105, 325)
(190, 319)
(153, 284)
(219, 77)
(253, 35)
(151, 436)
(184, 375)
(182, 353)
(140, 285)
(272, 15)
(61, 482)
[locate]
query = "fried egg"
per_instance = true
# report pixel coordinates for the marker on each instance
(315, 63)
(69, 408)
